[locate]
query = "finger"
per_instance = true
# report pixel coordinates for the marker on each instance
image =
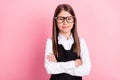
(53, 55)
(48, 56)
(49, 59)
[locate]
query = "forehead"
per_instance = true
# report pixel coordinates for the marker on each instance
(64, 13)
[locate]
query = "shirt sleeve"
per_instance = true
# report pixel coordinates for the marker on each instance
(83, 69)
(56, 67)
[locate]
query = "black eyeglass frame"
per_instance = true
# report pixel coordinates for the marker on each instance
(65, 18)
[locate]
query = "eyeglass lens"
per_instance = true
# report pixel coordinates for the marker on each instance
(61, 19)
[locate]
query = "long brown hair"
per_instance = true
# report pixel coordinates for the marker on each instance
(55, 30)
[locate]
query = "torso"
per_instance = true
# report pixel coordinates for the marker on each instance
(63, 56)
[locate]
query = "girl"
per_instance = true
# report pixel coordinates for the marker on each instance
(66, 55)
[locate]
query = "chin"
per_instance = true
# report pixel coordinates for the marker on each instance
(65, 31)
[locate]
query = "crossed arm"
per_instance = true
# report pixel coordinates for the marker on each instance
(74, 67)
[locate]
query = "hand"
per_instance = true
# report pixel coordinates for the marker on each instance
(78, 62)
(51, 58)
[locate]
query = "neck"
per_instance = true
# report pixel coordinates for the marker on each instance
(67, 35)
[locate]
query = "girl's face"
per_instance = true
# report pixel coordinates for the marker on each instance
(65, 22)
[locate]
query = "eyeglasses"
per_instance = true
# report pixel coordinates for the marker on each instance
(61, 19)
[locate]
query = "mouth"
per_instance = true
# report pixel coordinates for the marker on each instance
(65, 26)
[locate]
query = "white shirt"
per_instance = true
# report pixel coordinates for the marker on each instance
(69, 66)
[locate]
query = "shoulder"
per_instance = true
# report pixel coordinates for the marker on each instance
(49, 41)
(83, 42)
(48, 46)
(83, 47)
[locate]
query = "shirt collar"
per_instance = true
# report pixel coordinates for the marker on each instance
(61, 37)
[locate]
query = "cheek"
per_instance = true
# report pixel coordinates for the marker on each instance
(71, 25)
(59, 25)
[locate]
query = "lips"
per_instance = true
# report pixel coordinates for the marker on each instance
(65, 26)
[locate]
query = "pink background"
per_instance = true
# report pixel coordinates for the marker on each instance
(25, 26)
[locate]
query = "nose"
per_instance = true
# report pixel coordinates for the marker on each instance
(64, 22)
